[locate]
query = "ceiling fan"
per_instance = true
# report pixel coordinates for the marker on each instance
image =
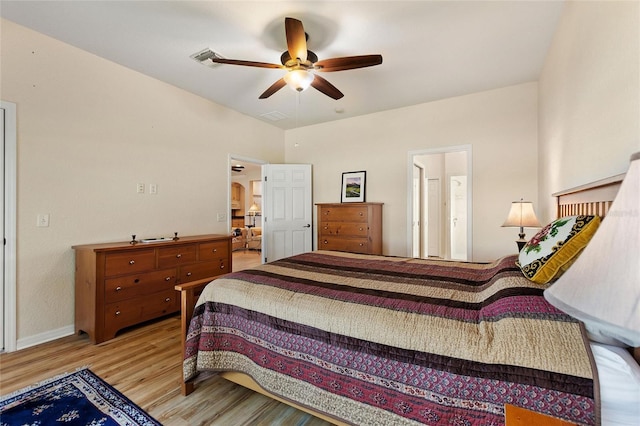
(300, 62)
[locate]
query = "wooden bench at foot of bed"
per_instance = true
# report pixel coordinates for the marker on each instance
(189, 293)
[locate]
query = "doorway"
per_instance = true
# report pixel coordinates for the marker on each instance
(245, 207)
(440, 203)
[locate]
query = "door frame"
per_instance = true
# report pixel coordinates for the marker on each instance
(410, 200)
(9, 301)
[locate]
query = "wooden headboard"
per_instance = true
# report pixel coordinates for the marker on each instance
(590, 199)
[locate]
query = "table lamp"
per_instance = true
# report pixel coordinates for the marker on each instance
(520, 216)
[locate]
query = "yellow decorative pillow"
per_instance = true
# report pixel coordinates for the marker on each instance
(552, 250)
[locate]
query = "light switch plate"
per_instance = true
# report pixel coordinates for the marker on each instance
(42, 221)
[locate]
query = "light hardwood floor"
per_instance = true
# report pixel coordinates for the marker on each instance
(243, 259)
(144, 363)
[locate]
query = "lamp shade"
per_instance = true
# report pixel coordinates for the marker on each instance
(299, 80)
(521, 214)
(602, 287)
(254, 208)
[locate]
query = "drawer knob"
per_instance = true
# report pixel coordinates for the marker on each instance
(326, 242)
(167, 279)
(178, 255)
(326, 227)
(118, 288)
(215, 250)
(188, 274)
(168, 299)
(117, 313)
(132, 262)
(221, 266)
(361, 214)
(136, 281)
(361, 244)
(361, 228)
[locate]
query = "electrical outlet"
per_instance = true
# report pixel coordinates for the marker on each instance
(221, 217)
(42, 221)
(153, 188)
(140, 188)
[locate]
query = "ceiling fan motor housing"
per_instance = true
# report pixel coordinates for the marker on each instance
(286, 57)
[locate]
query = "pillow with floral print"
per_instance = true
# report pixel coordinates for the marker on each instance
(552, 250)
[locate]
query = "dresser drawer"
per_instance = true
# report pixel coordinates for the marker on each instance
(128, 262)
(198, 271)
(178, 255)
(344, 214)
(213, 250)
(355, 245)
(133, 311)
(129, 286)
(344, 228)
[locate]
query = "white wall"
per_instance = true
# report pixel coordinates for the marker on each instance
(89, 130)
(589, 97)
(501, 126)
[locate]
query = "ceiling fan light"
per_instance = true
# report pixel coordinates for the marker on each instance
(299, 80)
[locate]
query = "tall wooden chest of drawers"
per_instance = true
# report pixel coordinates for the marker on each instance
(354, 227)
(121, 284)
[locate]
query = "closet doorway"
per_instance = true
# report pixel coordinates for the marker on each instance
(440, 195)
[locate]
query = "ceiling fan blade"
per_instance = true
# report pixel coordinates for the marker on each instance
(325, 87)
(296, 39)
(273, 88)
(246, 63)
(348, 63)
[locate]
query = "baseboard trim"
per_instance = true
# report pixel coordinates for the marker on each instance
(45, 337)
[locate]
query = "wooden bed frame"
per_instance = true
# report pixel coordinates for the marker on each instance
(595, 198)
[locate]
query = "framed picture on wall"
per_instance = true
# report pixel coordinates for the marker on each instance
(353, 187)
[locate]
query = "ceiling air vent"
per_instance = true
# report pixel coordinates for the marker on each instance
(274, 116)
(204, 57)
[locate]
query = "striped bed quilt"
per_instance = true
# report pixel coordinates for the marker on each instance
(373, 340)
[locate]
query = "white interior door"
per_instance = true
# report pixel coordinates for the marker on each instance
(8, 165)
(417, 203)
(287, 215)
(2, 303)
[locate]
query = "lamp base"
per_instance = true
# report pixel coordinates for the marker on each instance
(521, 243)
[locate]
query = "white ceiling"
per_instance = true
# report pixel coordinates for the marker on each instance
(431, 49)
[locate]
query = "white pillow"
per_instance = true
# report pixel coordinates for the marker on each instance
(619, 378)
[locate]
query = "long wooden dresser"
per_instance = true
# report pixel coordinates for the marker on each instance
(118, 285)
(353, 227)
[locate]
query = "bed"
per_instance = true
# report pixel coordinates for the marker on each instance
(361, 339)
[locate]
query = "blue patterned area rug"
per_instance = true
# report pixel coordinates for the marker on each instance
(79, 398)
